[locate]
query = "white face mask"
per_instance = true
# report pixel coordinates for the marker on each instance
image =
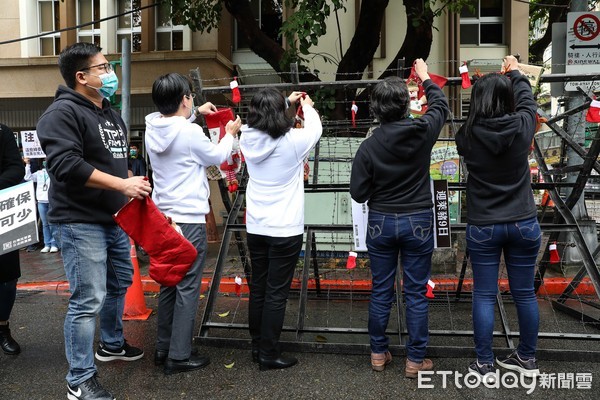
(192, 116)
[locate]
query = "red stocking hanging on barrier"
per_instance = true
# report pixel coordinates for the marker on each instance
(216, 123)
(418, 104)
(351, 261)
(238, 286)
(554, 257)
(464, 73)
(236, 96)
(430, 285)
(354, 110)
(593, 113)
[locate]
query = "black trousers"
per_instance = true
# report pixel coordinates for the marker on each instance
(273, 261)
(8, 294)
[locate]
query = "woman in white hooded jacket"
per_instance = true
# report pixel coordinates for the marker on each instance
(274, 153)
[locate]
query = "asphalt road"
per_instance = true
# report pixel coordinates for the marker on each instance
(39, 371)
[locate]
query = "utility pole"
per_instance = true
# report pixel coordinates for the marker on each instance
(126, 84)
(575, 127)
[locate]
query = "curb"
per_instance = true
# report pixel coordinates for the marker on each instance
(550, 286)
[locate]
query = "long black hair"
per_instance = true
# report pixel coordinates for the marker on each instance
(492, 96)
(267, 113)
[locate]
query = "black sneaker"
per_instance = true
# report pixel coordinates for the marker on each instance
(89, 390)
(125, 353)
(528, 368)
(487, 372)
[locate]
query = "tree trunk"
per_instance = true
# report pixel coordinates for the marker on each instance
(360, 53)
(537, 48)
(418, 39)
(417, 44)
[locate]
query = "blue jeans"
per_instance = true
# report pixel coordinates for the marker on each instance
(520, 242)
(410, 236)
(48, 230)
(98, 265)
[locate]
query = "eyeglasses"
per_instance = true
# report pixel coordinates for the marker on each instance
(107, 67)
(192, 95)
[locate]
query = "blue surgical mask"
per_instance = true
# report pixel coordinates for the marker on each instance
(110, 84)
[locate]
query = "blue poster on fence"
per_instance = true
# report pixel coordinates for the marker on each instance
(18, 217)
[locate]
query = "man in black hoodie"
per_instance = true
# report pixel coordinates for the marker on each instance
(391, 171)
(86, 148)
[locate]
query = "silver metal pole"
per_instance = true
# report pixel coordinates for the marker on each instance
(126, 84)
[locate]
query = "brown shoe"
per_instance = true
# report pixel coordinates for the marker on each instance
(412, 368)
(380, 360)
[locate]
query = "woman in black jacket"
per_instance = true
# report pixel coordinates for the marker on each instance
(12, 172)
(391, 171)
(502, 216)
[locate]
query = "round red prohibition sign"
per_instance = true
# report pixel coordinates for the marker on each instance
(586, 27)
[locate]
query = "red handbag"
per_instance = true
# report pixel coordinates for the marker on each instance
(171, 254)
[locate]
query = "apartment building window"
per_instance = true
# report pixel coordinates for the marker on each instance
(483, 24)
(129, 26)
(48, 21)
(268, 14)
(169, 33)
(88, 11)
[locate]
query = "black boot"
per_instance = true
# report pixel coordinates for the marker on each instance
(8, 344)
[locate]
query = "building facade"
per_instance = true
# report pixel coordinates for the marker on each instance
(33, 32)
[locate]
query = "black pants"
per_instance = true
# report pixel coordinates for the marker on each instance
(273, 262)
(8, 294)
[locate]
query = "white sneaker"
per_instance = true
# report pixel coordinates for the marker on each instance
(53, 249)
(45, 250)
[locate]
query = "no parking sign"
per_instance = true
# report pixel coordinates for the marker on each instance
(583, 48)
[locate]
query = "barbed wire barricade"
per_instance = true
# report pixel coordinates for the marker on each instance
(328, 307)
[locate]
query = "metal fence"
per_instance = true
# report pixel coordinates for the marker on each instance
(328, 307)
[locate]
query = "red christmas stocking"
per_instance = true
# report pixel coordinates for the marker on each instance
(236, 97)
(593, 114)
(464, 73)
(351, 261)
(354, 110)
(171, 254)
(216, 123)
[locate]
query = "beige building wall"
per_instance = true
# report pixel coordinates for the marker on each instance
(10, 29)
(28, 81)
(516, 36)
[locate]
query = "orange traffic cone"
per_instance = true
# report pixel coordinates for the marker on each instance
(546, 200)
(554, 257)
(135, 304)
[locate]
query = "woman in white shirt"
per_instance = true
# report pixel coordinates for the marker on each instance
(274, 153)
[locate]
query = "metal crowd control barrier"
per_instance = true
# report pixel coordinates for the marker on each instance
(308, 293)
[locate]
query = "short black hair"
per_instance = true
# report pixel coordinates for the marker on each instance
(390, 99)
(76, 58)
(168, 90)
(267, 113)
